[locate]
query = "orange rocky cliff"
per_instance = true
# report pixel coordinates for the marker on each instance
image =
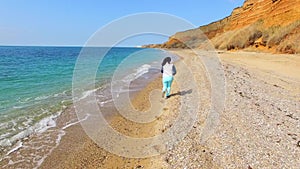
(272, 25)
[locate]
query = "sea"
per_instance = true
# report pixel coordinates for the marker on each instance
(36, 89)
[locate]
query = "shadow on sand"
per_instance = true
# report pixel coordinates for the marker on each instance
(182, 93)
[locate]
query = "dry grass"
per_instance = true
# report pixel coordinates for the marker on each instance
(290, 44)
(285, 39)
(239, 39)
(277, 34)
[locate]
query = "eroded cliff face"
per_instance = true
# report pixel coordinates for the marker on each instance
(272, 12)
(270, 24)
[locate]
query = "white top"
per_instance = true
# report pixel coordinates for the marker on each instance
(168, 70)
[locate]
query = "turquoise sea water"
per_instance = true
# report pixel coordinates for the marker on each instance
(36, 82)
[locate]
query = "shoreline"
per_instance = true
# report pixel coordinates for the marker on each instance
(85, 153)
(72, 139)
(257, 129)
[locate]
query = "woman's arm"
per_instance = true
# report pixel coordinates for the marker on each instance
(174, 70)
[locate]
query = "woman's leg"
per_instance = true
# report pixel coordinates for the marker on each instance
(169, 83)
(165, 85)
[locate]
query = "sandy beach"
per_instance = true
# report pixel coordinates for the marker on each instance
(81, 85)
(259, 127)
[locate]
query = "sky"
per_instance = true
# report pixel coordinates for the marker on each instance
(73, 22)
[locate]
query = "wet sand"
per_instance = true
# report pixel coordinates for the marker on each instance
(77, 150)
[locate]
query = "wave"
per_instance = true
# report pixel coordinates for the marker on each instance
(17, 147)
(40, 127)
(59, 137)
(142, 70)
(87, 93)
(104, 102)
(42, 97)
(76, 122)
(137, 73)
(20, 107)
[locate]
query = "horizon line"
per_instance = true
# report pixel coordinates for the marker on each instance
(1, 45)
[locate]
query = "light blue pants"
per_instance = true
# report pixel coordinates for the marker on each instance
(167, 82)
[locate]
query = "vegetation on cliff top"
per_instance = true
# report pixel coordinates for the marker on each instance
(283, 39)
(266, 25)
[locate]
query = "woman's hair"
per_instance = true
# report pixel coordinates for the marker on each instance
(167, 59)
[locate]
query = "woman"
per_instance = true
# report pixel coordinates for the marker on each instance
(168, 70)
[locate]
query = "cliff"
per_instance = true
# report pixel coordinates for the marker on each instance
(258, 24)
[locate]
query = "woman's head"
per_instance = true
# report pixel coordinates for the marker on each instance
(166, 60)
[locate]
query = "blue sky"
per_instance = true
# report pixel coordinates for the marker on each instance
(72, 22)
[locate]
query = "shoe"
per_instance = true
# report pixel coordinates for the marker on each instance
(167, 97)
